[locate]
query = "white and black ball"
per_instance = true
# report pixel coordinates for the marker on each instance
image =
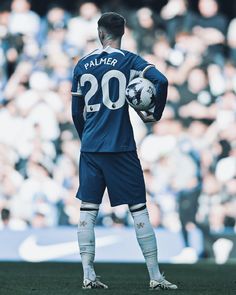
(140, 94)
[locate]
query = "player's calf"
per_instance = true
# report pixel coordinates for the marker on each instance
(146, 239)
(86, 238)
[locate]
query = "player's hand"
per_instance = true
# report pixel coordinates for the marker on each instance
(146, 116)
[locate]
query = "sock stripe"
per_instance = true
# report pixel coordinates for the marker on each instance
(138, 209)
(88, 209)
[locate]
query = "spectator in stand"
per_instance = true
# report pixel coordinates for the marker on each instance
(4, 19)
(211, 27)
(177, 18)
(145, 29)
(83, 27)
(7, 222)
(231, 38)
(23, 20)
(57, 18)
(5, 216)
(196, 100)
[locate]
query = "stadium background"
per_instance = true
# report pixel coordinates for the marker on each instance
(189, 157)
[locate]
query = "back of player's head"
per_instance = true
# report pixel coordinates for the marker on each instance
(113, 23)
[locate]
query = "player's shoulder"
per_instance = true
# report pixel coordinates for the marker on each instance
(91, 54)
(112, 50)
(129, 54)
(133, 58)
(83, 59)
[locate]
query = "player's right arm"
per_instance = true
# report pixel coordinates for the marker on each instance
(77, 106)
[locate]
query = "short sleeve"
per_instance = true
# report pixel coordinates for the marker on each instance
(76, 88)
(141, 65)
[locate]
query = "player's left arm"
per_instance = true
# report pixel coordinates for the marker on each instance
(150, 72)
(77, 106)
(161, 85)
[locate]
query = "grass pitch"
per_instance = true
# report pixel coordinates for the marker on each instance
(65, 278)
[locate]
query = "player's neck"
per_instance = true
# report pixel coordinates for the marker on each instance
(112, 43)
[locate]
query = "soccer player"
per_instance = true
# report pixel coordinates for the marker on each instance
(108, 153)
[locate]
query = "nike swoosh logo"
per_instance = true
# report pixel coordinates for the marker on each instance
(30, 251)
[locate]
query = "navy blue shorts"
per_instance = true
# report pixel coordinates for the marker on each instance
(121, 173)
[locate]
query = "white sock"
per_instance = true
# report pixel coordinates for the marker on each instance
(86, 238)
(146, 239)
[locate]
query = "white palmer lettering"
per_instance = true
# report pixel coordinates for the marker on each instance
(109, 60)
(101, 61)
(114, 61)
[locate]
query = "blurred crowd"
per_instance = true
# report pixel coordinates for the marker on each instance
(188, 158)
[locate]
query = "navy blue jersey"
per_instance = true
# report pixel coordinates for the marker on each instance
(99, 108)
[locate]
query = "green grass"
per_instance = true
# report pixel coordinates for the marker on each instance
(65, 278)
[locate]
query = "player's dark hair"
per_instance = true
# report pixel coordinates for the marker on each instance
(113, 23)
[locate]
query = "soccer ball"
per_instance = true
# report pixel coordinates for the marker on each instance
(140, 94)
